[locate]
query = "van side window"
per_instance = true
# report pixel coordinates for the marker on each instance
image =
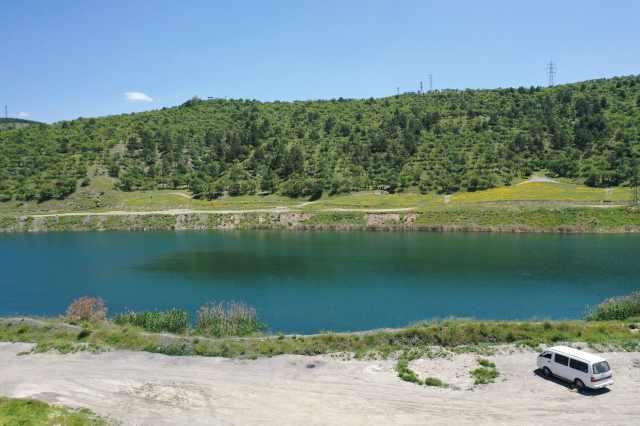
(579, 365)
(546, 355)
(561, 359)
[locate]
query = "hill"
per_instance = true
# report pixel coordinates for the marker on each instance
(16, 123)
(437, 142)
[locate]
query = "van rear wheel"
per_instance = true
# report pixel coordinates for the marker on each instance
(547, 372)
(579, 384)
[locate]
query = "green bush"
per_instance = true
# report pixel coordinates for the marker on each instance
(173, 321)
(616, 309)
(405, 373)
(486, 363)
(484, 376)
(432, 381)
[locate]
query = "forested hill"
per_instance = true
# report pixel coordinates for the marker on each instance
(15, 123)
(441, 141)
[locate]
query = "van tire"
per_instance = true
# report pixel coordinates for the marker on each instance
(547, 372)
(579, 384)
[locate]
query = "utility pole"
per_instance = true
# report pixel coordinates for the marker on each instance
(634, 198)
(430, 82)
(551, 70)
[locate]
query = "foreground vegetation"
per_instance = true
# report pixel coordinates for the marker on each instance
(436, 142)
(213, 320)
(616, 308)
(237, 332)
(430, 338)
(18, 412)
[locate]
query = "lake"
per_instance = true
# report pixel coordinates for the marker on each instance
(305, 282)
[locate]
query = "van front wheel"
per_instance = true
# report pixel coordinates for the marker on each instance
(580, 384)
(547, 372)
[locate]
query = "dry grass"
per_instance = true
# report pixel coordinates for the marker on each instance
(87, 309)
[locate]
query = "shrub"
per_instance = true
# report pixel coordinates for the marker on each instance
(87, 309)
(484, 376)
(617, 308)
(486, 363)
(405, 373)
(228, 319)
(432, 381)
(173, 321)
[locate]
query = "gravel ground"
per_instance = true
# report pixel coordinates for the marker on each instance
(142, 388)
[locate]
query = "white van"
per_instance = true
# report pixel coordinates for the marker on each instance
(585, 370)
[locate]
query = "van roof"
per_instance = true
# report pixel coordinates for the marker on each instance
(577, 353)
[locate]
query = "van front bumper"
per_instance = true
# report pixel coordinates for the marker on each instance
(603, 385)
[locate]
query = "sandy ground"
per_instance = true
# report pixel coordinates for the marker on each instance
(536, 178)
(142, 388)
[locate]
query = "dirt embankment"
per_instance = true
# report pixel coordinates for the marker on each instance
(572, 220)
(150, 389)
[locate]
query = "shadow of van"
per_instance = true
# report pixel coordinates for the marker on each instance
(586, 392)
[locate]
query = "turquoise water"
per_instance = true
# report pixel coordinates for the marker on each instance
(305, 282)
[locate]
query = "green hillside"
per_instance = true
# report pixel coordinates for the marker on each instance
(16, 123)
(438, 142)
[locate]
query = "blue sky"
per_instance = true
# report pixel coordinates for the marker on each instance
(64, 59)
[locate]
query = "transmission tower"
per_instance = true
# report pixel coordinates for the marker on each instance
(551, 70)
(6, 114)
(634, 198)
(430, 82)
(398, 90)
(420, 88)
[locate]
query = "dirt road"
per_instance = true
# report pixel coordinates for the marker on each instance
(142, 388)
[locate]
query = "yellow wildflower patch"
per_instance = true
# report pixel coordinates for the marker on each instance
(534, 191)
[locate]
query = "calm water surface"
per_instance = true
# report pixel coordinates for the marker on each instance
(305, 282)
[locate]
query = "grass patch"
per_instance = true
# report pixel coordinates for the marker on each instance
(484, 376)
(173, 321)
(486, 363)
(389, 201)
(416, 340)
(616, 308)
(533, 191)
(15, 412)
(432, 381)
(228, 319)
(407, 374)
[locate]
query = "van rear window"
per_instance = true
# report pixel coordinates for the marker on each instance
(561, 359)
(579, 365)
(601, 367)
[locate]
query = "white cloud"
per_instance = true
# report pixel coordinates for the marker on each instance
(137, 96)
(24, 114)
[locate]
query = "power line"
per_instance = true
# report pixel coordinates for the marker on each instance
(551, 70)
(634, 198)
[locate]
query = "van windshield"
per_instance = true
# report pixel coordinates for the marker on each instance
(601, 367)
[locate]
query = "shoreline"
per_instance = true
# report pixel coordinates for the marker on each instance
(512, 219)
